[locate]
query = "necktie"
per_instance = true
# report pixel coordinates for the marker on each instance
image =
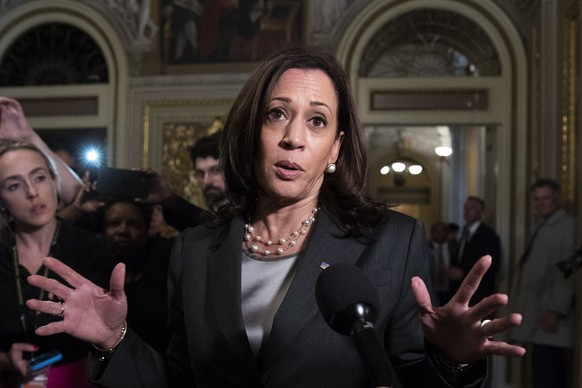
(442, 276)
(464, 240)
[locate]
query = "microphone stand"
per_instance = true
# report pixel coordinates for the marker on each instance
(373, 354)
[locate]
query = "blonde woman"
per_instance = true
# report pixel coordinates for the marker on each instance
(28, 206)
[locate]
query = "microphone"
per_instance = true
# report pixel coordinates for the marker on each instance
(349, 303)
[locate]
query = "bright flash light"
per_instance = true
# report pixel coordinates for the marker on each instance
(384, 170)
(93, 156)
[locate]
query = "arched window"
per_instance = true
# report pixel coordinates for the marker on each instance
(430, 43)
(53, 54)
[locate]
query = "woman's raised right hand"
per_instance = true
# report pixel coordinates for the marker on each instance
(88, 312)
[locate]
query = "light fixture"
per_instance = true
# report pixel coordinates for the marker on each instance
(415, 169)
(398, 166)
(399, 169)
(443, 151)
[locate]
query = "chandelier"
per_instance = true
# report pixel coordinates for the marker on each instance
(400, 168)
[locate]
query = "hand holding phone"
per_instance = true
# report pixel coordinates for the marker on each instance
(44, 360)
(121, 182)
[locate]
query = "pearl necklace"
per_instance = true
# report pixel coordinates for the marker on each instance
(283, 243)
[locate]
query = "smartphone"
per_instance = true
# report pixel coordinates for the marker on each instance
(122, 183)
(43, 360)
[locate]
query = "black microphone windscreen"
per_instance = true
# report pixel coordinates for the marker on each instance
(340, 286)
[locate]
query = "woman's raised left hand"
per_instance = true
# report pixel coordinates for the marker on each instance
(456, 328)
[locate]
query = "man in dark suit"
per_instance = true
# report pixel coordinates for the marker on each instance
(477, 240)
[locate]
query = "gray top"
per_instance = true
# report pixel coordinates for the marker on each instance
(264, 284)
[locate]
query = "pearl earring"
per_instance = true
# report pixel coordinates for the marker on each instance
(330, 168)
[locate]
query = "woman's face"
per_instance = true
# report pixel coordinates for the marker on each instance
(298, 136)
(27, 189)
(125, 229)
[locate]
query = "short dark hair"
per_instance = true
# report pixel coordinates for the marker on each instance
(341, 194)
(478, 199)
(60, 144)
(453, 227)
(545, 182)
(206, 147)
(109, 201)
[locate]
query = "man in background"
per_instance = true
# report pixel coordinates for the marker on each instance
(453, 233)
(177, 211)
(477, 240)
(443, 250)
(542, 294)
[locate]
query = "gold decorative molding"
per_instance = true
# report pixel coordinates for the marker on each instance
(201, 108)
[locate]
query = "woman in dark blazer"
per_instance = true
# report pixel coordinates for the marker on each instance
(243, 310)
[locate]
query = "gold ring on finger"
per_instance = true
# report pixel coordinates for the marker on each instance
(62, 313)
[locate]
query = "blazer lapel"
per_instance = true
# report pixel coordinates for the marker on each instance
(299, 305)
(224, 267)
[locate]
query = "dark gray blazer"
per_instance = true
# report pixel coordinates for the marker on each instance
(210, 348)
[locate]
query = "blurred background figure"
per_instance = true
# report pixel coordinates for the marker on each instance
(453, 233)
(442, 250)
(204, 155)
(477, 240)
(66, 152)
(542, 294)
